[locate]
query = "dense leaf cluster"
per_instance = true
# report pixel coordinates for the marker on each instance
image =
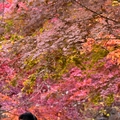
(60, 59)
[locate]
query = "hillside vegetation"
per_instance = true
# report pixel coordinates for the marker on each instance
(60, 59)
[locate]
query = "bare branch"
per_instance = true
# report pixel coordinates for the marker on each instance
(96, 12)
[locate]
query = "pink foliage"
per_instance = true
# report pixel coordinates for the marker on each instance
(27, 72)
(4, 7)
(22, 6)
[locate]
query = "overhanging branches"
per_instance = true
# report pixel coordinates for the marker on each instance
(96, 12)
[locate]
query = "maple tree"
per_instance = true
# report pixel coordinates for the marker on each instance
(60, 59)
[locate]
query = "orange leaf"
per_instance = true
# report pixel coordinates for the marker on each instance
(10, 1)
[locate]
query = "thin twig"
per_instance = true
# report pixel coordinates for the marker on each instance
(96, 12)
(3, 10)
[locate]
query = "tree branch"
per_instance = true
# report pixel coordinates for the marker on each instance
(96, 12)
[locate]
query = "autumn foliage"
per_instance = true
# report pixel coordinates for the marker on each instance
(60, 60)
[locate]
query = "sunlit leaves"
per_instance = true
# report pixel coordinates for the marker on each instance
(115, 2)
(10, 1)
(115, 56)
